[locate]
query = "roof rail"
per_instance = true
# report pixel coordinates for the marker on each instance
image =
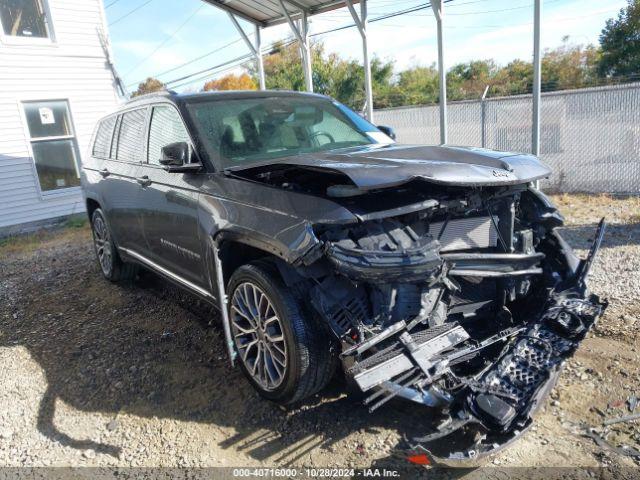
(160, 93)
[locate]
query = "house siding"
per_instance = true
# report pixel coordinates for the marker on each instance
(72, 67)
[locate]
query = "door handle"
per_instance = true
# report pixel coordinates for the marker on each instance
(104, 172)
(145, 181)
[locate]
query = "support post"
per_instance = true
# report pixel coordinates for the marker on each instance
(483, 117)
(535, 134)
(256, 49)
(361, 22)
(307, 58)
(301, 32)
(259, 59)
(223, 302)
(438, 10)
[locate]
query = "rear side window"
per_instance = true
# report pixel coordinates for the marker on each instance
(166, 128)
(130, 139)
(102, 143)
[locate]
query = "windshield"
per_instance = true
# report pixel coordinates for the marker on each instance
(250, 130)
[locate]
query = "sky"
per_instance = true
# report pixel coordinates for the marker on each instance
(158, 37)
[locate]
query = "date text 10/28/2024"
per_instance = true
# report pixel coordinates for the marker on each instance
(315, 473)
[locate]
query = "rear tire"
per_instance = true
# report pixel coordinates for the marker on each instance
(286, 355)
(111, 265)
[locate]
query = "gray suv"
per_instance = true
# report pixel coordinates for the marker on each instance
(435, 274)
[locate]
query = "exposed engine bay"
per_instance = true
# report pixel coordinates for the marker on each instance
(463, 299)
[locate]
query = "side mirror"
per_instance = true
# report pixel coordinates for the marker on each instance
(388, 131)
(176, 158)
(175, 154)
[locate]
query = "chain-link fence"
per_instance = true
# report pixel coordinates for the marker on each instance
(589, 137)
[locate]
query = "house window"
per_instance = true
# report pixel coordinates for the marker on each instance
(24, 18)
(53, 144)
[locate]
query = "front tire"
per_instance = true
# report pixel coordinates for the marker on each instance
(111, 265)
(286, 355)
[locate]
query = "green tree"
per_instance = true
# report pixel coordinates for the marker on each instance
(231, 81)
(332, 75)
(569, 66)
(418, 85)
(385, 92)
(516, 77)
(468, 80)
(283, 67)
(620, 43)
(150, 85)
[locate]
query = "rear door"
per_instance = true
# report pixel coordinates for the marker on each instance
(94, 167)
(121, 172)
(169, 201)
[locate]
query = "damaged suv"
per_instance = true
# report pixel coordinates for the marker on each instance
(435, 274)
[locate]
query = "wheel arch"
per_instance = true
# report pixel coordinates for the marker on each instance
(92, 205)
(238, 250)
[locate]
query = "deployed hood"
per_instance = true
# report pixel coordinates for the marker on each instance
(377, 166)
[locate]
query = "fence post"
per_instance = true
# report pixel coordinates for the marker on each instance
(483, 117)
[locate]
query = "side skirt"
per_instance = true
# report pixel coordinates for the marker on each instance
(177, 279)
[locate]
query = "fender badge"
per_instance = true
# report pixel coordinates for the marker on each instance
(500, 174)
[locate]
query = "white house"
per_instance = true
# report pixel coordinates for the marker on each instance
(56, 81)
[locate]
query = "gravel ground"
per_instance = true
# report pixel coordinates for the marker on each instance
(94, 374)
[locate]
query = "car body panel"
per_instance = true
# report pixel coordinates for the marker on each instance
(370, 259)
(277, 221)
(120, 204)
(168, 211)
(384, 166)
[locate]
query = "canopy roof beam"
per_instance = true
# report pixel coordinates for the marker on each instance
(266, 14)
(301, 32)
(256, 49)
(361, 22)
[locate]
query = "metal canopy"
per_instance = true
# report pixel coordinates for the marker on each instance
(269, 12)
(297, 12)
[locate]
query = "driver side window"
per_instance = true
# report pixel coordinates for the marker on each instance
(166, 128)
(332, 129)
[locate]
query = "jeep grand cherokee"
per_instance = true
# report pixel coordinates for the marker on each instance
(430, 273)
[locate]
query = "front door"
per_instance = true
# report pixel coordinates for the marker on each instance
(169, 203)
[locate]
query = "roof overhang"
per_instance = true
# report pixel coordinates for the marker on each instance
(269, 12)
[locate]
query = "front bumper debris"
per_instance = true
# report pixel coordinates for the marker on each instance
(485, 412)
(498, 408)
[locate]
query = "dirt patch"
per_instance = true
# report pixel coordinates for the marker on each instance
(584, 209)
(70, 232)
(136, 375)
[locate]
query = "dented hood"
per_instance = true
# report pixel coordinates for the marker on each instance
(379, 166)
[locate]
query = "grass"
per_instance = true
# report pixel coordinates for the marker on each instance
(75, 228)
(580, 209)
(76, 222)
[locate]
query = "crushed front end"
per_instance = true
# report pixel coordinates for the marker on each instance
(466, 300)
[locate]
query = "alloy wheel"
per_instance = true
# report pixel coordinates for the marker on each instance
(102, 241)
(259, 336)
